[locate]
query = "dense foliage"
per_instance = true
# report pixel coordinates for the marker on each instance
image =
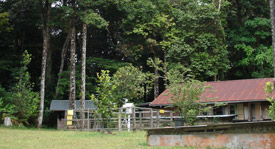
(187, 99)
(21, 102)
(269, 89)
(205, 40)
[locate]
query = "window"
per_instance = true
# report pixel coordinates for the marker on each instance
(253, 111)
(218, 110)
(232, 109)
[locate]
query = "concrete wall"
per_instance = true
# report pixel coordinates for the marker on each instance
(237, 141)
(236, 135)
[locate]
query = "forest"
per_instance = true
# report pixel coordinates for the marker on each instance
(126, 48)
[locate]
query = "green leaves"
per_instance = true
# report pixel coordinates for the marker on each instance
(4, 22)
(22, 102)
(186, 98)
(269, 89)
(131, 82)
(94, 19)
(105, 101)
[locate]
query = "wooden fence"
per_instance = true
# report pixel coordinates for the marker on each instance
(141, 118)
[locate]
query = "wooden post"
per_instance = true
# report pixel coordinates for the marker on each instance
(140, 120)
(88, 125)
(119, 119)
(65, 120)
(157, 118)
(134, 118)
(151, 118)
(94, 121)
(171, 118)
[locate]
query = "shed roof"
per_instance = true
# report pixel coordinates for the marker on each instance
(247, 90)
(62, 105)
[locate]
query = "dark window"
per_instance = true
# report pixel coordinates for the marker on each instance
(253, 111)
(232, 109)
(218, 110)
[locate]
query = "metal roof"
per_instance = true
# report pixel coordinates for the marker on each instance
(248, 90)
(62, 105)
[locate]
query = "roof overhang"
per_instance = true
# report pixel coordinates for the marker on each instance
(63, 105)
(228, 102)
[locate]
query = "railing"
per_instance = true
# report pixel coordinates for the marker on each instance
(141, 118)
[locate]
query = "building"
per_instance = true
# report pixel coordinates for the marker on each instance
(245, 99)
(60, 107)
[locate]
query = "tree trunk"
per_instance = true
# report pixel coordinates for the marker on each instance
(220, 5)
(48, 74)
(156, 81)
(83, 72)
(272, 18)
(72, 60)
(45, 16)
(72, 73)
(165, 68)
(63, 55)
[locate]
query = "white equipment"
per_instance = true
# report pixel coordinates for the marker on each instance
(129, 110)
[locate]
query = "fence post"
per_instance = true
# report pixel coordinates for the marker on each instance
(171, 118)
(151, 118)
(134, 118)
(119, 119)
(94, 122)
(157, 118)
(65, 120)
(140, 120)
(88, 125)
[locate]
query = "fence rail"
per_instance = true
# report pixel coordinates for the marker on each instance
(141, 118)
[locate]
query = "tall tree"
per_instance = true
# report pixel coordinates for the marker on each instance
(62, 60)
(248, 39)
(45, 16)
(83, 71)
(73, 57)
(272, 17)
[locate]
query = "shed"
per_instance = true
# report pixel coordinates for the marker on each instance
(61, 106)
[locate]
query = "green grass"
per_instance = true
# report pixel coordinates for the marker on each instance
(46, 138)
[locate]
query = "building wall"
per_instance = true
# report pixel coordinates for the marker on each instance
(234, 135)
(258, 112)
(245, 111)
(240, 111)
(250, 140)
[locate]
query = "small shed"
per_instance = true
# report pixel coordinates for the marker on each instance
(61, 106)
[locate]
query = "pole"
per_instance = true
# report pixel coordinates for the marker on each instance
(157, 118)
(171, 119)
(151, 118)
(134, 118)
(128, 123)
(119, 120)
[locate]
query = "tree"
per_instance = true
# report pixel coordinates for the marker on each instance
(186, 99)
(248, 39)
(105, 101)
(83, 71)
(22, 97)
(199, 43)
(132, 83)
(73, 56)
(45, 17)
(62, 61)
(4, 22)
(272, 18)
(269, 89)
(148, 31)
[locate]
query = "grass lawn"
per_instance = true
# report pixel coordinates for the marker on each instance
(46, 138)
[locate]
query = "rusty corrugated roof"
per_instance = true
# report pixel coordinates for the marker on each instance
(226, 91)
